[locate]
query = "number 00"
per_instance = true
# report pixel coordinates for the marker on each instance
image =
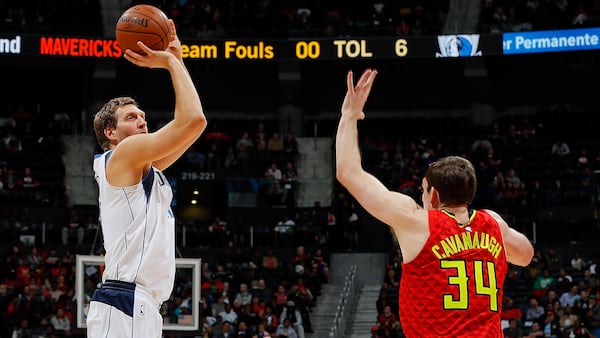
(310, 49)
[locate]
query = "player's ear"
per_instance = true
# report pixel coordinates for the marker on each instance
(110, 133)
(434, 198)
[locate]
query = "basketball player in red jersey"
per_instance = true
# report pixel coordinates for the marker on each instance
(454, 258)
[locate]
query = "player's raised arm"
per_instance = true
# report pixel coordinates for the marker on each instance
(366, 188)
(167, 144)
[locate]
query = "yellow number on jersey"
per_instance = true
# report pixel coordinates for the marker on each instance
(461, 280)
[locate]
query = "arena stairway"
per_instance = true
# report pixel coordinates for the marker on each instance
(363, 312)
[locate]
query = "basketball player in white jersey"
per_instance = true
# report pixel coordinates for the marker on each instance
(135, 197)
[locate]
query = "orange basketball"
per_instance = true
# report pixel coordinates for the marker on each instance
(144, 23)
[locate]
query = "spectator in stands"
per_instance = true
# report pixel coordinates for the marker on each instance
(90, 226)
(257, 311)
(280, 298)
(218, 231)
(513, 330)
(270, 261)
(577, 262)
(284, 231)
(322, 263)
(230, 161)
(286, 330)
(195, 158)
(552, 325)
(27, 181)
(214, 157)
(480, 148)
(563, 281)
(391, 279)
(61, 324)
(290, 148)
(11, 181)
(386, 318)
(227, 330)
(560, 148)
(274, 178)
(511, 310)
(243, 158)
(304, 300)
(542, 283)
(263, 291)
(262, 331)
(238, 231)
(289, 182)
(73, 228)
(261, 157)
(271, 320)
(260, 136)
(352, 231)
(535, 331)
(218, 306)
(244, 295)
(229, 315)
(553, 260)
(534, 311)
(34, 258)
(23, 330)
(275, 147)
(568, 319)
(12, 142)
(293, 317)
(245, 141)
(588, 280)
(571, 296)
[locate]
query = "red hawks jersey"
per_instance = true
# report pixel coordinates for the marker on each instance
(453, 288)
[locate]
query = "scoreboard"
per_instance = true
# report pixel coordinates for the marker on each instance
(367, 48)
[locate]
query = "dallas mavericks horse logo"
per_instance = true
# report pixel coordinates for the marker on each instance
(458, 45)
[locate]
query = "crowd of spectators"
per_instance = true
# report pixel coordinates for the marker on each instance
(51, 17)
(498, 16)
(31, 168)
(242, 290)
(248, 289)
(254, 159)
(522, 168)
(284, 19)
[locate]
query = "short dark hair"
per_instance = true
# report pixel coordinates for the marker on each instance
(105, 118)
(454, 179)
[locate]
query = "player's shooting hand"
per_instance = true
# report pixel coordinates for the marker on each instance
(157, 58)
(150, 58)
(174, 43)
(356, 96)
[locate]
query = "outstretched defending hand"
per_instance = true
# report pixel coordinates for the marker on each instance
(356, 96)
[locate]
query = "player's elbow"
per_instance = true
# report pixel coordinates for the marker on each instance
(197, 123)
(524, 256)
(343, 175)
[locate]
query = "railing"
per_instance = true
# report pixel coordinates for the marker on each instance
(347, 301)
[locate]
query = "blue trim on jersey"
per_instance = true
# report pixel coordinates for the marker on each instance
(117, 294)
(147, 182)
(107, 157)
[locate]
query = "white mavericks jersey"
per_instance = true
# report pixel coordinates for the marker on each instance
(138, 226)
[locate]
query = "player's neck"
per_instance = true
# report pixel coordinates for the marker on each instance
(455, 209)
(460, 212)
